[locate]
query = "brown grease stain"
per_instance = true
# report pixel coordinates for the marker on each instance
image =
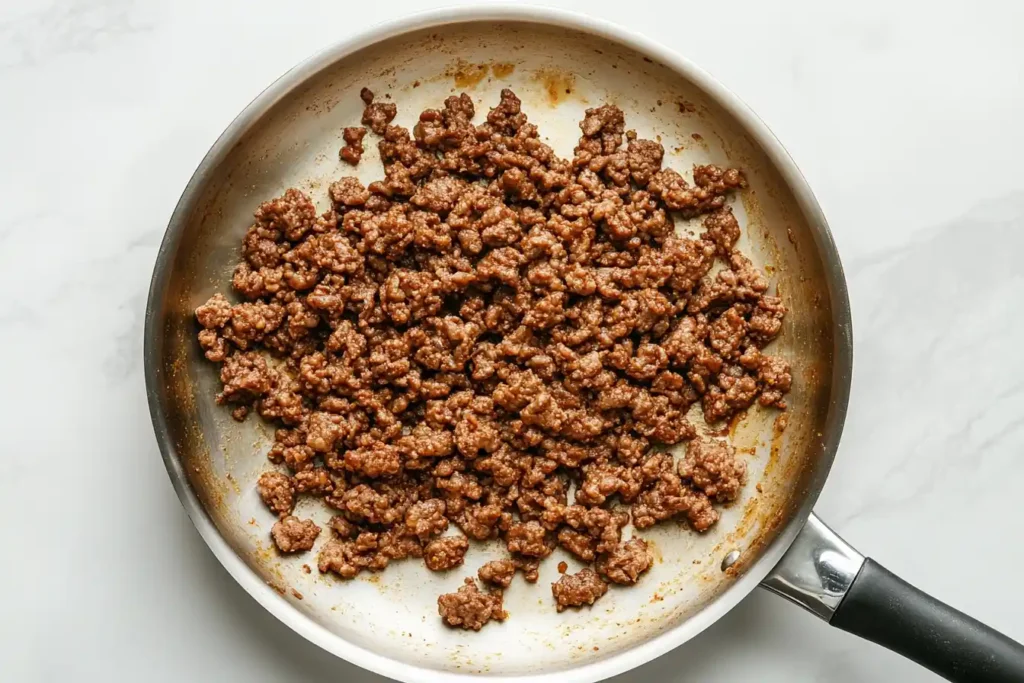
(686, 107)
(465, 74)
(502, 69)
(558, 85)
(699, 140)
(734, 424)
(779, 427)
(770, 522)
(656, 551)
(792, 239)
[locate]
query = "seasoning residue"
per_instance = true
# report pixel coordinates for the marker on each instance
(468, 75)
(465, 74)
(558, 85)
(502, 69)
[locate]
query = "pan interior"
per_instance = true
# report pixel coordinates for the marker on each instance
(558, 73)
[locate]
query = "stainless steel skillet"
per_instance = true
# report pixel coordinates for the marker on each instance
(559, 64)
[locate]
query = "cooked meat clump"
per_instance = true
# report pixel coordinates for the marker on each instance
(277, 491)
(292, 535)
(352, 152)
(625, 562)
(497, 573)
(445, 553)
(469, 608)
(576, 590)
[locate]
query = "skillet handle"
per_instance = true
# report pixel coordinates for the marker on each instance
(885, 609)
(825, 575)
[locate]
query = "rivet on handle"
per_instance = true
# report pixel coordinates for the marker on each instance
(730, 559)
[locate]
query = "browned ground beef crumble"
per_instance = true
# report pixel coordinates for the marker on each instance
(497, 572)
(468, 608)
(292, 534)
(499, 339)
(576, 590)
(352, 152)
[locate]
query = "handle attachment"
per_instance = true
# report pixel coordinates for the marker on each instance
(826, 576)
(817, 570)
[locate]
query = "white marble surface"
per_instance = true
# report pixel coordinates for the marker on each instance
(906, 118)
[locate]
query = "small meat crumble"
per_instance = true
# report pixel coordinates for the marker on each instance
(292, 535)
(352, 152)
(498, 573)
(485, 328)
(576, 590)
(625, 562)
(443, 554)
(468, 608)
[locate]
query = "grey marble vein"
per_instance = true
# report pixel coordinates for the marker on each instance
(62, 28)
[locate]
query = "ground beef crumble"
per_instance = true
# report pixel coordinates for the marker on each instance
(498, 573)
(352, 152)
(576, 590)
(277, 491)
(625, 562)
(498, 339)
(711, 466)
(469, 608)
(292, 535)
(445, 553)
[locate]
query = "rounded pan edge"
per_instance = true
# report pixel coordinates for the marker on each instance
(621, 662)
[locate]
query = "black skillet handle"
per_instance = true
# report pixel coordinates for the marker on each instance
(826, 576)
(883, 608)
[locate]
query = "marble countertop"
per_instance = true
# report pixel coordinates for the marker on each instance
(905, 117)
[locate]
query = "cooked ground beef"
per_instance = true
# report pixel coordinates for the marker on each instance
(497, 572)
(426, 518)
(625, 562)
(576, 590)
(377, 115)
(315, 481)
(529, 566)
(352, 152)
(468, 608)
(530, 539)
(711, 466)
(486, 328)
(277, 491)
(292, 535)
(445, 553)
